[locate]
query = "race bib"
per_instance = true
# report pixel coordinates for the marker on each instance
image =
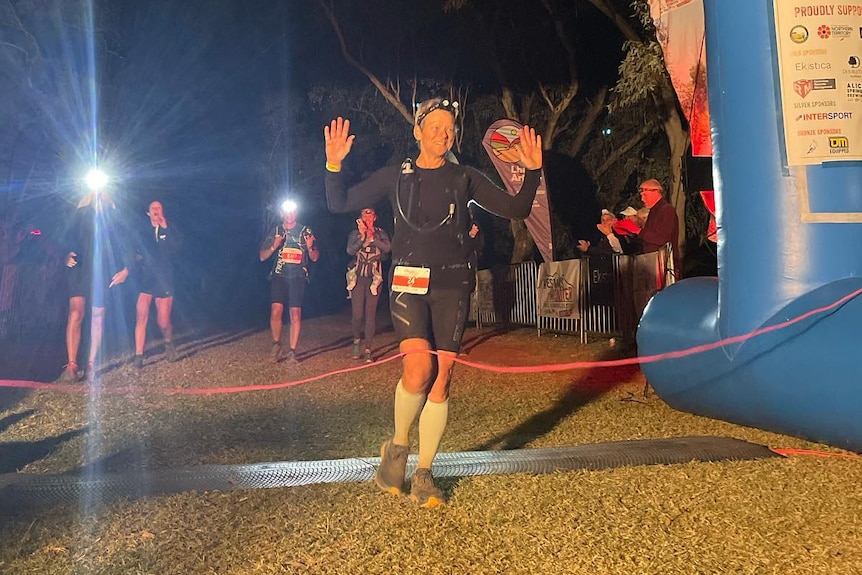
(413, 280)
(291, 256)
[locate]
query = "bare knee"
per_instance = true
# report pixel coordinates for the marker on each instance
(276, 312)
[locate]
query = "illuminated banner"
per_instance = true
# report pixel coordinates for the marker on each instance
(819, 51)
(558, 289)
(680, 31)
(501, 141)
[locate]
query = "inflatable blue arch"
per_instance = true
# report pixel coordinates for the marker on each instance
(790, 242)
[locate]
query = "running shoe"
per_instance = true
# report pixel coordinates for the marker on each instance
(356, 350)
(69, 374)
(393, 465)
(275, 352)
(171, 352)
(423, 491)
(291, 357)
(367, 356)
(139, 361)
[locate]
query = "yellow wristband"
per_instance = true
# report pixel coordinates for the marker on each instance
(332, 168)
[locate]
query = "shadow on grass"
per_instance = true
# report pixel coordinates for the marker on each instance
(16, 454)
(589, 385)
(187, 346)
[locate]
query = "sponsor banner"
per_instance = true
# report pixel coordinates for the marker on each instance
(501, 142)
(680, 31)
(558, 289)
(601, 280)
(819, 49)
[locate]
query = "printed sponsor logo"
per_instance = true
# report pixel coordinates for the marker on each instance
(811, 147)
(805, 87)
(840, 31)
(854, 91)
(839, 145)
(820, 116)
(805, 66)
(853, 61)
(799, 34)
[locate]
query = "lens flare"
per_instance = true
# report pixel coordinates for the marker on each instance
(288, 206)
(96, 179)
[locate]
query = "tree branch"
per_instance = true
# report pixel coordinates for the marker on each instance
(621, 151)
(384, 90)
(596, 107)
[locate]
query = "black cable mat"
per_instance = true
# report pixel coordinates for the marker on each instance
(21, 490)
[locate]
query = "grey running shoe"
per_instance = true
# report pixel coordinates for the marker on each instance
(291, 357)
(139, 361)
(393, 465)
(69, 374)
(275, 352)
(367, 356)
(424, 492)
(355, 354)
(171, 352)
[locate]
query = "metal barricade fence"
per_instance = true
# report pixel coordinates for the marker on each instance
(612, 294)
(506, 295)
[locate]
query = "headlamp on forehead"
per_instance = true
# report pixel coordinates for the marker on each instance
(288, 207)
(435, 104)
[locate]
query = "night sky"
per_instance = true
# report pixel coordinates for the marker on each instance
(179, 114)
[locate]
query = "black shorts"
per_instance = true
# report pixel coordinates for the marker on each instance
(438, 316)
(158, 285)
(82, 282)
(287, 291)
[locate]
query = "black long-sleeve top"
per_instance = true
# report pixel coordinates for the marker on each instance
(157, 248)
(100, 233)
(427, 197)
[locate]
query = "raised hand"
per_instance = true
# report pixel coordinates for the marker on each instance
(338, 140)
(530, 150)
(70, 260)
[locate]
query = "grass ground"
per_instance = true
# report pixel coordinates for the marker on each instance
(795, 515)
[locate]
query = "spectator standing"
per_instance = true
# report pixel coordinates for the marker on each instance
(627, 230)
(99, 259)
(608, 243)
(662, 225)
(369, 244)
(155, 255)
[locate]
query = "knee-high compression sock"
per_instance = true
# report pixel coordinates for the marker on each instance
(407, 406)
(432, 424)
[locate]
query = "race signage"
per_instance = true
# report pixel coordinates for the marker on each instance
(819, 50)
(558, 289)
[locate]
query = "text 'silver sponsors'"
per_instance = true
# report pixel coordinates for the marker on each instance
(819, 50)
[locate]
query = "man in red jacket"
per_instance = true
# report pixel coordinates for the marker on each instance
(662, 225)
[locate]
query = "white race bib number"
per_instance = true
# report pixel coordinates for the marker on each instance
(407, 279)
